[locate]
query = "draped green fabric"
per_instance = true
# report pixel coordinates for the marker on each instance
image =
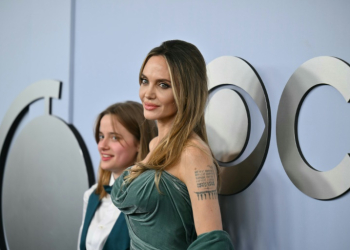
(159, 221)
(217, 239)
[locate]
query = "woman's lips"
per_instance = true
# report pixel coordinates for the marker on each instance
(105, 157)
(149, 106)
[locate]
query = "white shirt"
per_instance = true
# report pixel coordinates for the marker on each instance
(102, 222)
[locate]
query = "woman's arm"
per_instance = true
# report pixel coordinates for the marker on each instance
(200, 176)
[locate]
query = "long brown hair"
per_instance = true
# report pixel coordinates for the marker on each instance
(130, 115)
(189, 77)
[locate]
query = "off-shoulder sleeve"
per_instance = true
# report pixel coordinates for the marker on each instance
(213, 240)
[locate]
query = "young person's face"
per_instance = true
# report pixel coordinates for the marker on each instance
(117, 146)
(156, 91)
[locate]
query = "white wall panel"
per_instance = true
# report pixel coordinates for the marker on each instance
(112, 39)
(276, 37)
(34, 45)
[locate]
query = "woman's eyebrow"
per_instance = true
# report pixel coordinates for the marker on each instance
(158, 80)
(114, 133)
(163, 80)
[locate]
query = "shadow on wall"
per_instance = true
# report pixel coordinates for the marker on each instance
(244, 214)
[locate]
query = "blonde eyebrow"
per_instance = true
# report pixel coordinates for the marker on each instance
(115, 133)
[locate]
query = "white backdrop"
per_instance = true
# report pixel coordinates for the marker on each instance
(96, 48)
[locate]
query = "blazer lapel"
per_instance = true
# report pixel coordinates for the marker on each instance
(118, 238)
(93, 204)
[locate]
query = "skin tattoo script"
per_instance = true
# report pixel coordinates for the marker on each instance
(205, 179)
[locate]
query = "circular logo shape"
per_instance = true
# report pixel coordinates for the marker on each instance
(44, 171)
(317, 184)
(229, 71)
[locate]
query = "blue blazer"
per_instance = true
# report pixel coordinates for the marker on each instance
(118, 238)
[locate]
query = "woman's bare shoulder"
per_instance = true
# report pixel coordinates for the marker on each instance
(152, 143)
(195, 147)
(195, 156)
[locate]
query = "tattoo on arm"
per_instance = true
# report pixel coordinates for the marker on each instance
(205, 179)
(212, 194)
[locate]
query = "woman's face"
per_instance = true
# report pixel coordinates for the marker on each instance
(156, 91)
(117, 146)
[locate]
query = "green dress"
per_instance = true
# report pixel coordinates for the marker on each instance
(160, 221)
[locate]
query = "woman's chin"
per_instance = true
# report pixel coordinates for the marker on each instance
(150, 117)
(106, 168)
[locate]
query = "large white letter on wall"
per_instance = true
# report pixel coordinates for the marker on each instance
(315, 72)
(228, 119)
(44, 171)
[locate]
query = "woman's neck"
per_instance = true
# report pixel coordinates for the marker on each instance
(164, 128)
(116, 174)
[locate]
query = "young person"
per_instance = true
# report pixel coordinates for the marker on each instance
(123, 136)
(170, 198)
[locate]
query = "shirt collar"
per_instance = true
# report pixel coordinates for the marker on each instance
(111, 180)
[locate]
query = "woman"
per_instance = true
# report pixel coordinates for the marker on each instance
(122, 135)
(170, 198)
